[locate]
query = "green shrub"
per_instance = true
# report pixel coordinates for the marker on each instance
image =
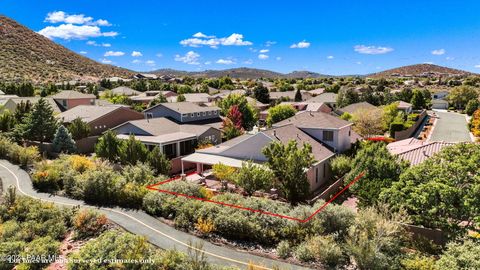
(303, 253)
(99, 185)
(41, 247)
(396, 126)
(460, 256)
(326, 250)
(88, 223)
(419, 263)
(283, 249)
(341, 165)
(10, 248)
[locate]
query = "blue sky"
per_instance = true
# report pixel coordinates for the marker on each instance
(330, 37)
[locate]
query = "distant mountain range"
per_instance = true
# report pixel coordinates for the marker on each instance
(26, 55)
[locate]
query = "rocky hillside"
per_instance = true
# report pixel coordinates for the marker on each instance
(26, 55)
(420, 70)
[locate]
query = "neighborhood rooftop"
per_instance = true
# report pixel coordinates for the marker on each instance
(71, 94)
(185, 107)
(87, 113)
(315, 120)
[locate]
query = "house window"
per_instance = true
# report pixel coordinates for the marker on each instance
(328, 135)
(349, 132)
(92, 101)
(317, 175)
(192, 115)
(149, 115)
(198, 114)
(170, 150)
(214, 112)
(187, 147)
(324, 170)
(64, 103)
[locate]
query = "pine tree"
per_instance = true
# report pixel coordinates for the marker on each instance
(298, 96)
(63, 142)
(108, 146)
(39, 124)
(132, 151)
(79, 129)
(262, 94)
(158, 161)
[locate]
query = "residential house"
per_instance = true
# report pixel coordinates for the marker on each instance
(328, 98)
(289, 95)
(416, 151)
(147, 76)
(316, 92)
(125, 91)
(175, 140)
(440, 95)
(326, 128)
(12, 103)
(68, 99)
(118, 79)
(197, 98)
(406, 107)
(353, 108)
(249, 147)
(439, 104)
(100, 118)
(257, 104)
(184, 112)
(148, 96)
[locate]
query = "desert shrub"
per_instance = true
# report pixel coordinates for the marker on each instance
(38, 248)
(205, 226)
(99, 185)
(9, 248)
(326, 250)
(223, 172)
(139, 173)
(88, 223)
(47, 177)
(80, 164)
(252, 177)
(130, 194)
(333, 219)
(303, 253)
(460, 256)
(283, 249)
(419, 263)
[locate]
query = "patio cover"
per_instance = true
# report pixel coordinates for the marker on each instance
(213, 159)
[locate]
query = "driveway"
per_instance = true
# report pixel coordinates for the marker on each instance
(140, 223)
(450, 127)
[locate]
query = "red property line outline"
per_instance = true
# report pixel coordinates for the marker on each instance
(152, 187)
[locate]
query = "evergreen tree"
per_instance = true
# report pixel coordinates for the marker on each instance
(157, 100)
(346, 97)
(181, 98)
(7, 121)
(108, 146)
(40, 124)
(298, 96)
(63, 142)
(158, 161)
(418, 101)
(262, 94)
(132, 151)
(79, 129)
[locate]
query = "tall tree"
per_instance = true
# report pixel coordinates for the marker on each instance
(252, 177)
(249, 114)
(158, 161)
(368, 122)
(79, 129)
(132, 151)
(40, 124)
(459, 96)
(261, 93)
(298, 96)
(347, 96)
(380, 169)
(418, 101)
(108, 146)
(279, 113)
(289, 164)
(63, 142)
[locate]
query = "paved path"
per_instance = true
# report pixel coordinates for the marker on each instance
(140, 223)
(450, 127)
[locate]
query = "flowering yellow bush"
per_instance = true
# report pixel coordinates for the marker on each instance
(81, 163)
(475, 124)
(205, 226)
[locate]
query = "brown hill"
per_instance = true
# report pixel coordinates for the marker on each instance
(26, 55)
(241, 73)
(421, 70)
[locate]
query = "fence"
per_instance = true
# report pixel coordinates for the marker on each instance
(329, 191)
(407, 133)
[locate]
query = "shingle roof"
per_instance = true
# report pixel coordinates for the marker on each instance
(287, 133)
(162, 126)
(325, 97)
(192, 97)
(314, 120)
(127, 91)
(87, 113)
(352, 108)
(34, 100)
(67, 94)
(288, 94)
(185, 107)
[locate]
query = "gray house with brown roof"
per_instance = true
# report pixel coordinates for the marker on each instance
(249, 147)
(68, 99)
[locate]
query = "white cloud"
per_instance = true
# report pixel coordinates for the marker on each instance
(208, 63)
(225, 61)
(70, 31)
(94, 43)
(62, 17)
(358, 63)
(159, 55)
(449, 58)
(438, 52)
(112, 53)
(477, 66)
(190, 58)
(110, 34)
(136, 61)
(278, 58)
(150, 63)
(136, 54)
(83, 52)
(270, 43)
(264, 51)
(330, 57)
(262, 56)
(372, 49)
(106, 61)
(200, 39)
(300, 45)
(248, 62)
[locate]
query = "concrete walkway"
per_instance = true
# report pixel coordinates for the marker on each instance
(140, 223)
(450, 127)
